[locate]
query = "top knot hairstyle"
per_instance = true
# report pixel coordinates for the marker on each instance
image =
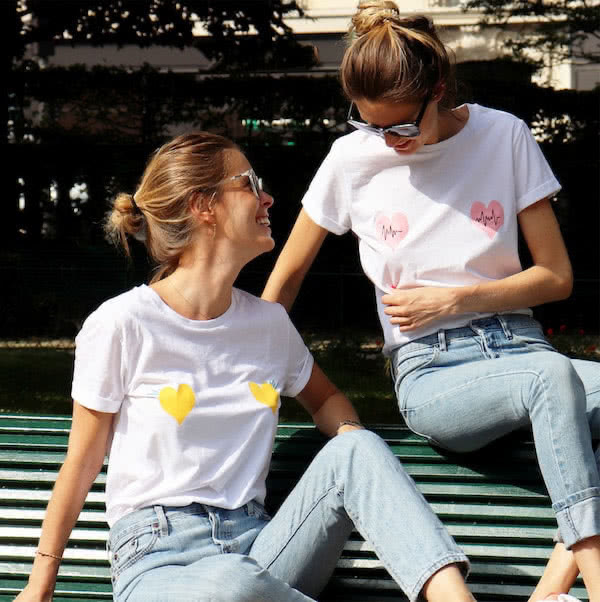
(188, 169)
(394, 58)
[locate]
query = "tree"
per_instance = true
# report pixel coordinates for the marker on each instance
(108, 104)
(555, 30)
(244, 33)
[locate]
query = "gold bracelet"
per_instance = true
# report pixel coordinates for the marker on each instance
(48, 555)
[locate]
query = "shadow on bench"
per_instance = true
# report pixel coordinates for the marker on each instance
(493, 502)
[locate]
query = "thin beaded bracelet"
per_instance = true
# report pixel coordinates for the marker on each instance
(349, 423)
(39, 553)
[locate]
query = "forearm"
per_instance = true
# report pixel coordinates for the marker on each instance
(295, 259)
(336, 409)
(72, 485)
(534, 286)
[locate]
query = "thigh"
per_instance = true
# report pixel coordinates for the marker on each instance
(304, 540)
(462, 400)
(220, 578)
(190, 553)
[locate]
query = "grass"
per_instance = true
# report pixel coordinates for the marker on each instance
(36, 380)
(35, 376)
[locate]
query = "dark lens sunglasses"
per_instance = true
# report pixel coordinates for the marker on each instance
(402, 130)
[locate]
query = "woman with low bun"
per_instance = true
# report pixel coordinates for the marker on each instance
(436, 195)
(181, 383)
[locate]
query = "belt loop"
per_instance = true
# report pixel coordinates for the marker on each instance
(442, 340)
(505, 327)
(162, 521)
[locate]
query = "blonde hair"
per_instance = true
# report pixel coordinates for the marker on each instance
(187, 169)
(394, 58)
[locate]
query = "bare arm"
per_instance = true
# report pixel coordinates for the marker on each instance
(327, 405)
(550, 278)
(85, 455)
(295, 259)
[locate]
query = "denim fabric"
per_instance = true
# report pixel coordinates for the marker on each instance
(202, 553)
(464, 387)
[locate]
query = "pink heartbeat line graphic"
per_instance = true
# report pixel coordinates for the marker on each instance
(391, 230)
(490, 219)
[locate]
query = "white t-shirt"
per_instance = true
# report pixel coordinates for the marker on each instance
(196, 401)
(444, 216)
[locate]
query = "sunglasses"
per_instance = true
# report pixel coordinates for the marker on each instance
(255, 182)
(402, 130)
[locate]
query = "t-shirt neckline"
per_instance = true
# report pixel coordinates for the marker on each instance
(173, 315)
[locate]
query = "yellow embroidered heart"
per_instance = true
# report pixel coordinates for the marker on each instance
(177, 403)
(265, 394)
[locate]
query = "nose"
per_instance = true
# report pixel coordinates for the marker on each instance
(266, 200)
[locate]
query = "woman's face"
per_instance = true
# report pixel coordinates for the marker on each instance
(384, 114)
(241, 215)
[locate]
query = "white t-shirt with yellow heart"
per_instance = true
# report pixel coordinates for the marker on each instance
(196, 402)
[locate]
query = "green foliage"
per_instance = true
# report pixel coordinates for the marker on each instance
(558, 29)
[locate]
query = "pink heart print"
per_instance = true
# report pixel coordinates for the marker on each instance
(490, 219)
(391, 230)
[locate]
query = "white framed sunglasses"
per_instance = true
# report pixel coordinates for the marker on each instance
(401, 130)
(256, 183)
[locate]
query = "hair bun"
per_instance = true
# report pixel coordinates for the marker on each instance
(373, 13)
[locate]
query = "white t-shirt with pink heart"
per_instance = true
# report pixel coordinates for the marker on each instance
(196, 402)
(444, 216)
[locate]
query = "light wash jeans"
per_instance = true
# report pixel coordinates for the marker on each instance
(207, 554)
(464, 387)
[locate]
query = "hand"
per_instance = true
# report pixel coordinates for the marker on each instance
(416, 307)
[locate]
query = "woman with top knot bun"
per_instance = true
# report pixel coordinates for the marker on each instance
(437, 195)
(181, 381)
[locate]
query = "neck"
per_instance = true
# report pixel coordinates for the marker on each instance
(199, 289)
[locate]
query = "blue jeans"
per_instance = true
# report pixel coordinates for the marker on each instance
(203, 553)
(464, 387)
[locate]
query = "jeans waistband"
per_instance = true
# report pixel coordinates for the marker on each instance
(507, 323)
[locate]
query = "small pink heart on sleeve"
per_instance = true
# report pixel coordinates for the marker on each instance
(391, 230)
(490, 219)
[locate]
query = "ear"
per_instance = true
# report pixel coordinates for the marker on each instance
(201, 207)
(438, 91)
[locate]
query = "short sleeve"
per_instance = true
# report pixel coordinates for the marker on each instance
(99, 375)
(534, 179)
(299, 362)
(327, 200)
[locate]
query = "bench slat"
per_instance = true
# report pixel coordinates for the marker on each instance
(495, 505)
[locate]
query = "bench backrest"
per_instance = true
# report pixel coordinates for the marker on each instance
(493, 502)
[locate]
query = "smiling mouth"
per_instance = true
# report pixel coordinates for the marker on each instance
(403, 145)
(263, 221)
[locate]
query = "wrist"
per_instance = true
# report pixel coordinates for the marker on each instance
(348, 425)
(43, 575)
(460, 296)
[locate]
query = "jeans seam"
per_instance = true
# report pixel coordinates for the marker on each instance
(551, 429)
(301, 523)
(388, 565)
(468, 384)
